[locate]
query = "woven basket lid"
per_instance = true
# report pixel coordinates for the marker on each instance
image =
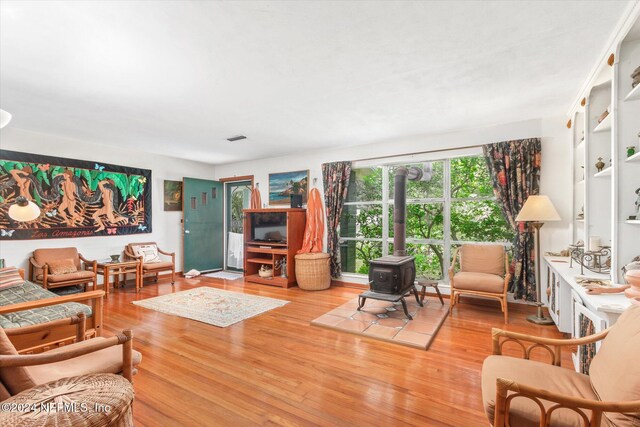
(315, 255)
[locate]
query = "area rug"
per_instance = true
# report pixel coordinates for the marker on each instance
(224, 275)
(213, 306)
(386, 321)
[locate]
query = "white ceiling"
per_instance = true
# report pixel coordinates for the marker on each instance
(179, 77)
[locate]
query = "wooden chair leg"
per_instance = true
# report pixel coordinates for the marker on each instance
(506, 311)
(452, 301)
(173, 275)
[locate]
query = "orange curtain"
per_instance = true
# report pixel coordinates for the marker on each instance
(314, 230)
(256, 200)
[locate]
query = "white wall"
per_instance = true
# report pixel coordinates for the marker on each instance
(167, 229)
(556, 178)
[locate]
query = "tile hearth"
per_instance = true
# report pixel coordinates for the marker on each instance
(386, 321)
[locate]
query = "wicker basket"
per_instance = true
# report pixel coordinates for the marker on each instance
(312, 271)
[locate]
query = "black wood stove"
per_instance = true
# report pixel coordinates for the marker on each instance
(392, 277)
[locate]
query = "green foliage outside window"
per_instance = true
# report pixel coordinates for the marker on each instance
(474, 215)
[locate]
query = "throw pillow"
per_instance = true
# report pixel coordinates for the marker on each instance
(62, 266)
(9, 277)
(149, 253)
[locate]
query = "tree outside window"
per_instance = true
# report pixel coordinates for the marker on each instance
(456, 206)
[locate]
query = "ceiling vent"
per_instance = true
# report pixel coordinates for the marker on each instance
(236, 138)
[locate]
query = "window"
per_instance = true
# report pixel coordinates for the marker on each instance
(456, 206)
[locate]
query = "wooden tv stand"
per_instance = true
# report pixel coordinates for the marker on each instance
(257, 254)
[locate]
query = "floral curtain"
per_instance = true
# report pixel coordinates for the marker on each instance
(514, 167)
(335, 177)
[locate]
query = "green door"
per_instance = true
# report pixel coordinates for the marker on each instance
(202, 208)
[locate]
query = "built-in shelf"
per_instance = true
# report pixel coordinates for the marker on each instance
(635, 157)
(604, 172)
(580, 221)
(634, 94)
(580, 144)
(633, 221)
(580, 182)
(604, 126)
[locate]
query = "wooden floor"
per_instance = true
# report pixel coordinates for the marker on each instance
(276, 369)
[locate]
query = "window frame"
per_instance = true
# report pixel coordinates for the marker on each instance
(447, 201)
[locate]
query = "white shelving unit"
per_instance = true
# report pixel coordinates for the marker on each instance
(634, 94)
(609, 197)
(604, 126)
(634, 158)
(604, 172)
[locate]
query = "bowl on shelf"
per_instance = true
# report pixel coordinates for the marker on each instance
(265, 271)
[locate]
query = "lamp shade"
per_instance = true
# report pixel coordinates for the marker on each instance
(538, 209)
(5, 118)
(24, 210)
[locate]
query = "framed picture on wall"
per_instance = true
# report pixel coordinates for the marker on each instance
(282, 185)
(172, 195)
(72, 198)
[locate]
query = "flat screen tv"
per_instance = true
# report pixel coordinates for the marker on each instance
(269, 227)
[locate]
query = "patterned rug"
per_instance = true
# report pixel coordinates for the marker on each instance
(386, 321)
(213, 306)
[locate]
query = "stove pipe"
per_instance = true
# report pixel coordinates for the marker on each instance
(400, 207)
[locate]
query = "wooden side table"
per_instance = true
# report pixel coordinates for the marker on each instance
(115, 269)
(428, 282)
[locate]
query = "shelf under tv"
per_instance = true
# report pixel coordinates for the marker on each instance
(254, 242)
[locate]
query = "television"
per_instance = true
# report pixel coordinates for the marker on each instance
(269, 227)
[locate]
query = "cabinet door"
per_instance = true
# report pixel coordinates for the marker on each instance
(586, 323)
(553, 298)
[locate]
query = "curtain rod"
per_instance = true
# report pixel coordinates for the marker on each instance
(420, 152)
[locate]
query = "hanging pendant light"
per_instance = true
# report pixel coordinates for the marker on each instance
(24, 210)
(5, 118)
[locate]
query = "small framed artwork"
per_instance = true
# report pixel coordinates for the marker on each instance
(284, 184)
(172, 195)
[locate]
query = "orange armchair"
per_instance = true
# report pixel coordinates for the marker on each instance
(59, 267)
(152, 267)
(484, 272)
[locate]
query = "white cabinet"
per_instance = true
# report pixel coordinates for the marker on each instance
(573, 310)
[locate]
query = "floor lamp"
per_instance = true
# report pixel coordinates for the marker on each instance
(536, 211)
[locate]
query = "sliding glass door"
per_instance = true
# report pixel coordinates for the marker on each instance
(237, 198)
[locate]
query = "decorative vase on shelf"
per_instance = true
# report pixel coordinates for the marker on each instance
(631, 150)
(600, 164)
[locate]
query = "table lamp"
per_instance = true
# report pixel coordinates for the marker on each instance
(536, 211)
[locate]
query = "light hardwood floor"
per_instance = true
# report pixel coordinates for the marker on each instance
(276, 369)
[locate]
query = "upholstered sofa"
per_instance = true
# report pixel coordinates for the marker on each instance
(27, 304)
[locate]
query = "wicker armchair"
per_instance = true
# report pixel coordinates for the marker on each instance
(19, 372)
(154, 267)
(40, 270)
(484, 272)
(521, 392)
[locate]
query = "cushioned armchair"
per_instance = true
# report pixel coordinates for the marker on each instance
(484, 272)
(523, 393)
(20, 372)
(58, 267)
(148, 254)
